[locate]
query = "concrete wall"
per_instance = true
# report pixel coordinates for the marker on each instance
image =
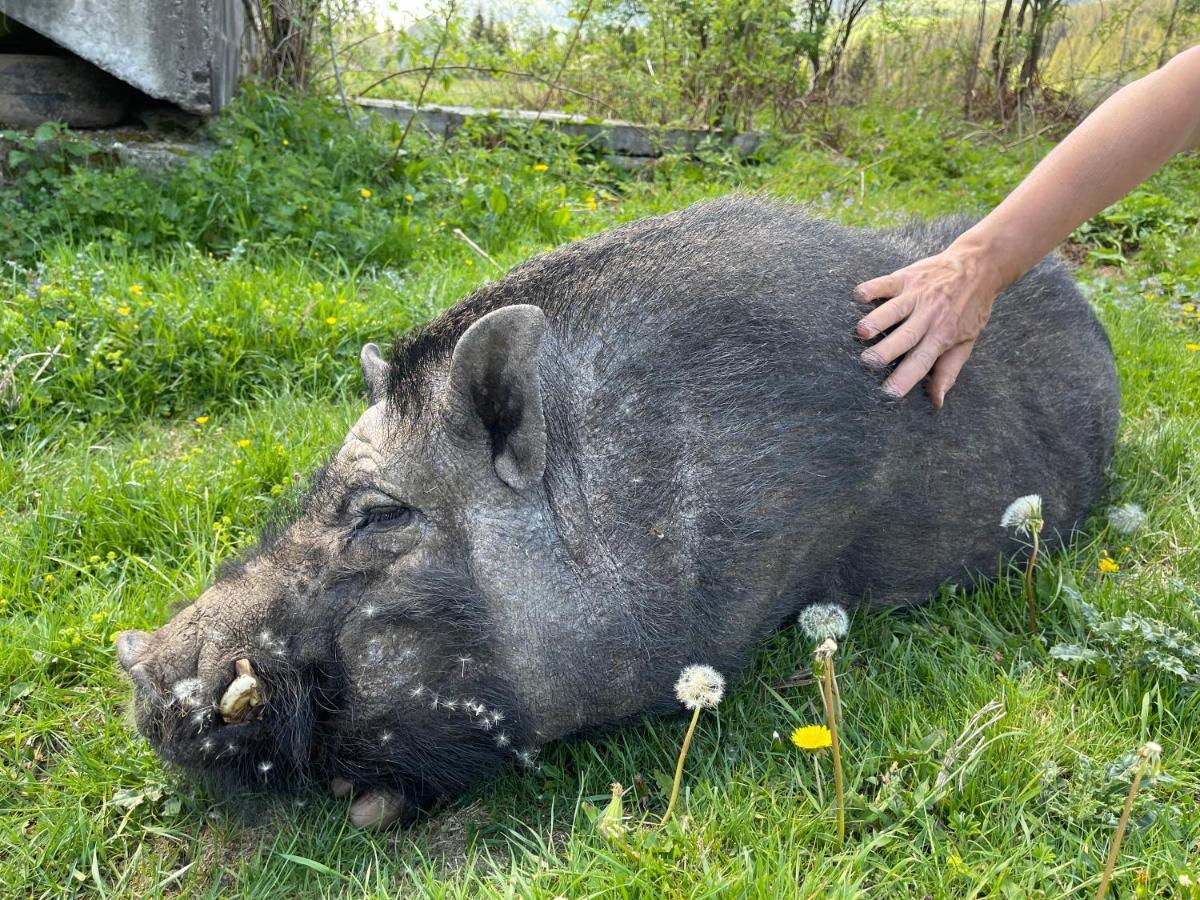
(183, 51)
(624, 141)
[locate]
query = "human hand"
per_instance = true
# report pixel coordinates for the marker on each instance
(935, 309)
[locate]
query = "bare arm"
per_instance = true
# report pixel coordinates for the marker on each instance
(940, 304)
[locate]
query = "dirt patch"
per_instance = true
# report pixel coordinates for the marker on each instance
(447, 837)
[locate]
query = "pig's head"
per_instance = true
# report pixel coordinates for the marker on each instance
(355, 646)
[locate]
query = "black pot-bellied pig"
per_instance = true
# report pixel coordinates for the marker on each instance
(647, 449)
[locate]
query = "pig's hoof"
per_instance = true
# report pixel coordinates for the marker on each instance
(381, 809)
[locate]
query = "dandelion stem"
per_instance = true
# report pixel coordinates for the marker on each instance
(820, 782)
(683, 751)
(835, 748)
(1033, 616)
(1115, 850)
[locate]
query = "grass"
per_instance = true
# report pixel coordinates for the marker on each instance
(124, 481)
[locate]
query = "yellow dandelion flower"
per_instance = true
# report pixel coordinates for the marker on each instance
(540, 167)
(812, 737)
(590, 202)
(97, 618)
(1191, 347)
(285, 142)
(122, 310)
(136, 289)
(408, 198)
(1189, 308)
(1108, 566)
(244, 443)
(365, 193)
(469, 262)
(331, 320)
(49, 579)
(200, 420)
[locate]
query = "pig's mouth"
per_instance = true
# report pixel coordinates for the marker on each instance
(254, 727)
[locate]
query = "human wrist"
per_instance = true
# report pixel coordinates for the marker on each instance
(987, 260)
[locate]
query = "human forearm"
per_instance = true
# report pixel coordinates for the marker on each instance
(1128, 138)
(936, 307)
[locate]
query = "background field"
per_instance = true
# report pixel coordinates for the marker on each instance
(176, 354)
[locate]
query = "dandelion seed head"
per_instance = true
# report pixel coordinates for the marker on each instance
(1126, 518)
(700, 686)
(821, 621)
(525, 757)
(188, 691)
(265, 766)
(1150, 750)
(1023, 514)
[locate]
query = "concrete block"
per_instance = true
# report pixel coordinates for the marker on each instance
(184, 51)
(36, 89)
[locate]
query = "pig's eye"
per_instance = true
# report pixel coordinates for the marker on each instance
(385, 517)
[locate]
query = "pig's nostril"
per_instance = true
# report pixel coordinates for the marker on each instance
(131, 647)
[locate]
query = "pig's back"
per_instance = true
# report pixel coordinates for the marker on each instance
(737, 459)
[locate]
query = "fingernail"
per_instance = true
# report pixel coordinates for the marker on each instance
(860, 295)
(891, 391)
(871, 358)
(867, 330)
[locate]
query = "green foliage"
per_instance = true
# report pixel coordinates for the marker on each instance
(1141, 217)
(41, 160)
(1119, 645)
(289, 174)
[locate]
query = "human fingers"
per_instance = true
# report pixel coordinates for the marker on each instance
(946, 369)
(901, 340)
(886, 315)
(878, 288)
(916, 365)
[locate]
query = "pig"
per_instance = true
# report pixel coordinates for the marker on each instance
(647, 449)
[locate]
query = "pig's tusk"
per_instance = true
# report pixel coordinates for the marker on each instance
(242, 695)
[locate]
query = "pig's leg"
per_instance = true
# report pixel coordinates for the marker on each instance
(375, 809)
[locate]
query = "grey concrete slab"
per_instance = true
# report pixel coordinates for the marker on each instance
(183, 51)
(617, 137)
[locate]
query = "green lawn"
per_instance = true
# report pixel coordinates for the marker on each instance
(190, 391)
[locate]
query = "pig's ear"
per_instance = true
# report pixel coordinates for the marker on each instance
(375, 372)
(495, 392)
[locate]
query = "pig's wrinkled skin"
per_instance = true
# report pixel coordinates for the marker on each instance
(647, 449)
